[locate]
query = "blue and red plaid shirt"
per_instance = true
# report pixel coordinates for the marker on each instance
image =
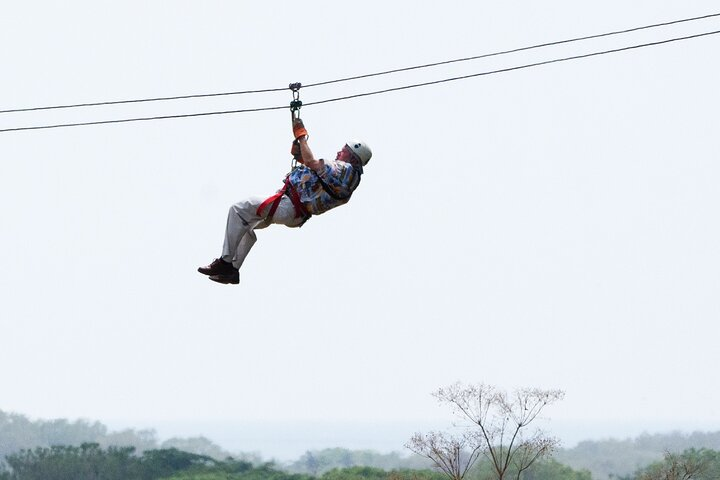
(341, 178)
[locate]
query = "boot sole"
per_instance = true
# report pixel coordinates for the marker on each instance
(224, 280)
(211, 273)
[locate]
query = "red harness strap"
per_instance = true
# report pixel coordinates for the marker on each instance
(274, 201)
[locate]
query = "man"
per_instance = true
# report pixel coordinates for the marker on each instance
(312, 188)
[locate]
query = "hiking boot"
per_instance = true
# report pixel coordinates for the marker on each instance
(227, 278)
(218, 267)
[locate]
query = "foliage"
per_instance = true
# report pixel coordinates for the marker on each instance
(203, 446)
(370, 473)
(692, 464)
(548, 469)
(17, 432)
(317, 462)
(620, 458)
(91, 462)
(553, 470)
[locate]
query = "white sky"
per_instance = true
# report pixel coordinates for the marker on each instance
(552, 227)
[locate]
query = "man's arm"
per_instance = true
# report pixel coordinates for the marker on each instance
(307, 156)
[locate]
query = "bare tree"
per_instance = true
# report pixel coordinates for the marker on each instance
(495, 425)
(454, 455)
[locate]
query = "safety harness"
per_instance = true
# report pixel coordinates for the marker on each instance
(274, 201)
(290, 191)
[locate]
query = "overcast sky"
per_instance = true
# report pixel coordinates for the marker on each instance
(552, 227)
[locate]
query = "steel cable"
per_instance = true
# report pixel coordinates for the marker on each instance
(510, 69)
(357, 77)
(377, 92)
(515, 50)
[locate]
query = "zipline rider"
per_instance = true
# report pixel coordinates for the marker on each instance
(313, 187)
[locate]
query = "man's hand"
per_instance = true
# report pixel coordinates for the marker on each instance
(295, 151)
(299, 130)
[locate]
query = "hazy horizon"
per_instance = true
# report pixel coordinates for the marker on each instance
(285, 441)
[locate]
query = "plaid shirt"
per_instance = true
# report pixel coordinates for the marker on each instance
(340, 178)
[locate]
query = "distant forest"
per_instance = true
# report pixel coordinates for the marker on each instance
(24, 441)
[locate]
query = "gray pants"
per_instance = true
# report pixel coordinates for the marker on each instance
(243, 220)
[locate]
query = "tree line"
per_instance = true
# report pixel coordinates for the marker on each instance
(495, 417)
(90, 461)
(17, 432)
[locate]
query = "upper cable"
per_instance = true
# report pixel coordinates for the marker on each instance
(368, 75)
(376, 92)
(142, 100)
(515, 50)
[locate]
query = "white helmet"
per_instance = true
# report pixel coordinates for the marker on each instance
(361, 150)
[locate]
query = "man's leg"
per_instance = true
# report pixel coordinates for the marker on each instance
(239, 239)
(284, 215)
(239, 235)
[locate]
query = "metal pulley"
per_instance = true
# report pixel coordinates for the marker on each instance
(295, 104)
